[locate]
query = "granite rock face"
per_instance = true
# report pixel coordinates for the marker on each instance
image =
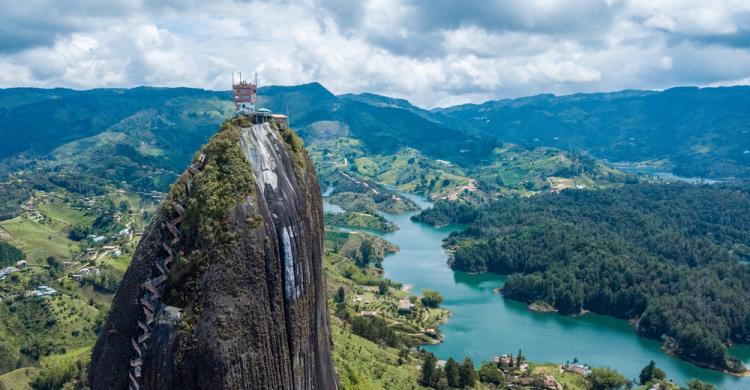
(226, 288)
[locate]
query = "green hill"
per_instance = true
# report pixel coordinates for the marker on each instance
(701, 132)
(382, 128)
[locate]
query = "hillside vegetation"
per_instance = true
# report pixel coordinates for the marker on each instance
(700, 132)
(80, 164)
(368, 221)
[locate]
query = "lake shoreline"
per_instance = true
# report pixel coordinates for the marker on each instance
(483, 324)
(543, 307)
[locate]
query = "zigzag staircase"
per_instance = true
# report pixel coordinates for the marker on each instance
(154, 287)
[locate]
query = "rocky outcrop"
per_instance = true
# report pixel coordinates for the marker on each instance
(226, 289)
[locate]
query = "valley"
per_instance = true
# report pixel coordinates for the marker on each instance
(76, 207)
(484, 323)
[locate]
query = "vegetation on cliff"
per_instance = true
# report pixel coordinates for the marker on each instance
(226, 181)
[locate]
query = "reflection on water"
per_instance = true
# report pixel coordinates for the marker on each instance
(485, 324)
(479, 282)
(330, 207)
(659, 173)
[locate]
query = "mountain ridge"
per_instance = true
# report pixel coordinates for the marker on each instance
(694, 131)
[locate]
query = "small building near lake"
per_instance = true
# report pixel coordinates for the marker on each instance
(405, 305)
(579, 369)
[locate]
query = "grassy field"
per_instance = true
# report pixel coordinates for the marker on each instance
(40, 240)
(4, 235)
(19, 379)
(45, 233)
(362, 364)
(119, 264)
(410, 171)
(569, 380)
(61, 213)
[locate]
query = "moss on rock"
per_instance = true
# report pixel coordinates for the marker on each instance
(225, 181)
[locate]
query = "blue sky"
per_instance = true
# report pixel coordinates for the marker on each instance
(434, 53)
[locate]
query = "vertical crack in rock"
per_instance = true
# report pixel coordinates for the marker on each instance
(243, 304)
(291, 289)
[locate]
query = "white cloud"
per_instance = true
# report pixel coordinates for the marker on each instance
(666, 62)
(431, 52)
(694, 17)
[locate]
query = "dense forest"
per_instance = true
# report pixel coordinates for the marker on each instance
(672, 257)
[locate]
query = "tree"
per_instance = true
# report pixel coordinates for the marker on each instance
(55, 266)
(651, 372)
(519, 358)
(467, 375)
(647, 373)
(340, 295)
(78, 232)
(9, 254)
(489, 373)
(695, 384)
(383, 287)
(431, 298)
(429, 371)
(605, 378)
(452, 373)
(365, 253)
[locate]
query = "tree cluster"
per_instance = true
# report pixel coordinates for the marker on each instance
(9, 254)
(375, 329)
(452, 375)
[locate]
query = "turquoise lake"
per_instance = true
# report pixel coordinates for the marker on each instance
(484, 324)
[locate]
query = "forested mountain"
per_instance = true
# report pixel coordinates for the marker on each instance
(704, 132)
(671, 257)
(701, 132)
(169, 123)
(382, 124)
(41, 120)
(81, 140)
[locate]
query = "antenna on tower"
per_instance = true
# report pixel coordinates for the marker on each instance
(256, 79)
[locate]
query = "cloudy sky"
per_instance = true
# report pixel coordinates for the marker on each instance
(434, 53)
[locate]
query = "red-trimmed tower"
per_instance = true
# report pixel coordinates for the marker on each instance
(244, 95)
